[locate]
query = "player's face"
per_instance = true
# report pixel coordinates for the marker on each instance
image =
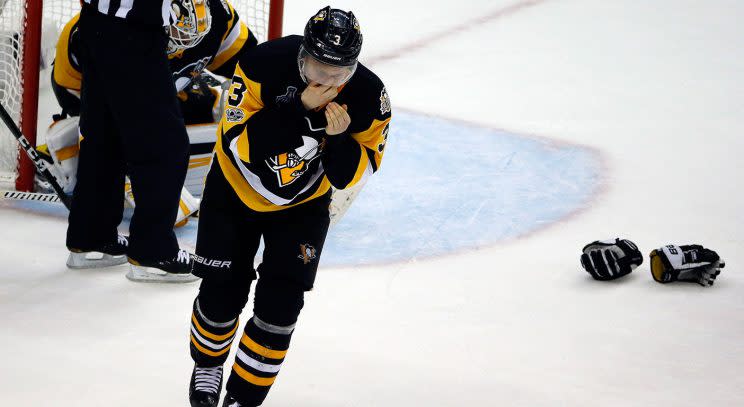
(324, 74)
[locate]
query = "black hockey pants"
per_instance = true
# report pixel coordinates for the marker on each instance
(130, 123)
(227, 242)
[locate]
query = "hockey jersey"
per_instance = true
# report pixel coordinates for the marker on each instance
(274, 153)
(218, 51)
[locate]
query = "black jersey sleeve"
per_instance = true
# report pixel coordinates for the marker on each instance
(352, 156)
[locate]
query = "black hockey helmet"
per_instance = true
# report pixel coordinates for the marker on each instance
(332, 36)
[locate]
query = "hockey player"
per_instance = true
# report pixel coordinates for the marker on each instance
(302, 116)
(219, 39)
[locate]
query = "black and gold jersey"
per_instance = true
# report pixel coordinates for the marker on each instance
(218, 52)
(274, 153)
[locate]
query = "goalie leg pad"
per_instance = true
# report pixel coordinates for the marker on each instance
(187, 206)
(62, 139)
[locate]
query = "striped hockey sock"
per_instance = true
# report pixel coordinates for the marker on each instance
(261, 352)
(210, 340)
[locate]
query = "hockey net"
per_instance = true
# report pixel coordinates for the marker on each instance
(28, 34)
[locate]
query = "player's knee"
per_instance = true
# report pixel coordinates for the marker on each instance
(296, 272)
(224, 297)
(278, 302)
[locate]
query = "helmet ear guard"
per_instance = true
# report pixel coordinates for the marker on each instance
(191, 21)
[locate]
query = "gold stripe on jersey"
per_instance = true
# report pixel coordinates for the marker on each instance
(244, 149)
(65, 74)
(231, 44)
(251, 378)
(249, 102)
(373, 137)
(231, 21)
(361, 168)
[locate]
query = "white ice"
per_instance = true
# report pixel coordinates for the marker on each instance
(656, 87)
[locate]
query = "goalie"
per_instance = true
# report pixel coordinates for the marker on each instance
(205, 35)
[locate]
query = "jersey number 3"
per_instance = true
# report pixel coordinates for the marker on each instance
(236, 91)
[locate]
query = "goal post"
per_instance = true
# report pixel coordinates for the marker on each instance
(29, 111)
(21, 24)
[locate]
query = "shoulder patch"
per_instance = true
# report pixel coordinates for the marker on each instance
(384, 102)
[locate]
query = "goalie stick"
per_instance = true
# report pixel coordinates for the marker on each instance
(29, 196)
(41, 165)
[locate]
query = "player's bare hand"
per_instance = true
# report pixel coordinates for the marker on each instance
(338, 119)
(316, 95)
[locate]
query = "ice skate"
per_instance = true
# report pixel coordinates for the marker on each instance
(112, 254)
(205, 386)
(175, 270)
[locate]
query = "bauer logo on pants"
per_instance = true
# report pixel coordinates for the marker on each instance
(307, 253)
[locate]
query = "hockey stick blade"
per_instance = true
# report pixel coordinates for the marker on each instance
(41, 165)
(29, 196)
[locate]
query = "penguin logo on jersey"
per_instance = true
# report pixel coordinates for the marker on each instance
(307, 253)
(290, 166)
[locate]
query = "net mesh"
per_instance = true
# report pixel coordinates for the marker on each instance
(255, 13)
(12, 13)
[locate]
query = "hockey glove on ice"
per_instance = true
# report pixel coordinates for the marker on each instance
(686, 263)
(610, 259)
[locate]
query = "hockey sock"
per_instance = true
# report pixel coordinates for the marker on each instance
(260, 355)
(210, 340)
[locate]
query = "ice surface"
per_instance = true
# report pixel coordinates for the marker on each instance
(654, 88)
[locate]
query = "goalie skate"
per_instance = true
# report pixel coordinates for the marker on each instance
(153, 275)
(90, 260)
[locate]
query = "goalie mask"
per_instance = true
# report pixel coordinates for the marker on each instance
(191, 21)
(330, 47)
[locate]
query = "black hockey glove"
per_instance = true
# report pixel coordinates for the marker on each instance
(686, 263)
(610, 259)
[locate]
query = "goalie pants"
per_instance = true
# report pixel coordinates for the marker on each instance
(130, 123)
(227, 242)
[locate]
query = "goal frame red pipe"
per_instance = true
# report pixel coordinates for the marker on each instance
(30, 102)
(31, 61)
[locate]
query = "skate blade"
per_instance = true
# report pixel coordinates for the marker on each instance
(152, 275)
(90, 260)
